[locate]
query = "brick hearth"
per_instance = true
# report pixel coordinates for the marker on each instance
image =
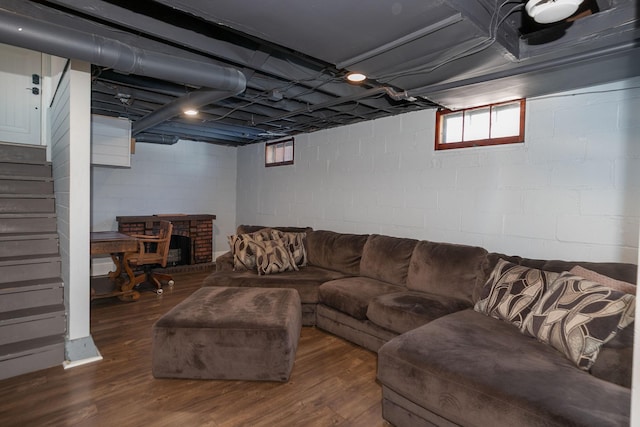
(199, 228)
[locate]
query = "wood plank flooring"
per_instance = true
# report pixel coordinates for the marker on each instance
(332, 383)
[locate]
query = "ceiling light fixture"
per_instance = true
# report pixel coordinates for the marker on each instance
(356, 77)
(548, 11)
(190, 112)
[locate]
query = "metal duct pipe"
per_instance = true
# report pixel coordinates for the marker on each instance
(192, 100)
(157, 139)
(29, 33)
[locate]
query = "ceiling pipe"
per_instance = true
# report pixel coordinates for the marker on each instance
(157, 139)
(192, 100)
(19, 30)
(223, 82)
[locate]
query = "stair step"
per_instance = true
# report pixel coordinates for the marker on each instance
(32, 323)
(28, 356)
(23, 177)
(31, 285)
(13, 204)
(23, 153)
(29, 315)
(23, 270)
(24, 247)
(29, 259)
(27, 223)
(31, 293)
(16, 170)
(6, 237)
(28, 196)
(33, 185)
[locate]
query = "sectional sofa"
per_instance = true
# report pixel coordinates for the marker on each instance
(462, 335)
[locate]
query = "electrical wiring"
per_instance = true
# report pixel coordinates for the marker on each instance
(494, 24)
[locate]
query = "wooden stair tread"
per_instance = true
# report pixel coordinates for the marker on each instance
(27, 215)
(31, 285)
(26, 178)
(24, 348)
(29, 259)
(5, 237)
(27, 196)
(31, 314)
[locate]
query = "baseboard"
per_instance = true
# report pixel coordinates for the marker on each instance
(67, 364)
(80, 352)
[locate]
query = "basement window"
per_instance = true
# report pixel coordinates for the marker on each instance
(493, 124)
(278, 153)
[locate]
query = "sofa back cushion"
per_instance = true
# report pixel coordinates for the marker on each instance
(447, 269)
(387, 258)
(615, 270)
(336, 251)
(245, 229)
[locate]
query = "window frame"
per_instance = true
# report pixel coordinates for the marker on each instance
(442, 113)
(283, 142)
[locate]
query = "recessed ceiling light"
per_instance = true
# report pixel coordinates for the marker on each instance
(191, 112)
(356, 77)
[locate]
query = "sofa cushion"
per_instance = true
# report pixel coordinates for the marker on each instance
(446, 269)
(475, 370)
(306, 281)
(576, 317)
(616, 270)
(243, 228)
(512, 290)
(402, 311)
(609, 282)
(273, 256)
(387, 258)
(352, 294)
(336, 251)
(615, 360)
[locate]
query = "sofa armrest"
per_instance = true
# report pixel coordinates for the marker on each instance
(225, 262)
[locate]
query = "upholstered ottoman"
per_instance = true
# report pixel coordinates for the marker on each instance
(229, 334)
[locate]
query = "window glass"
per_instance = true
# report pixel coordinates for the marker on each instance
(505, 120)
(494, 124)
(279, 153)
(453, 128)
(476, 124)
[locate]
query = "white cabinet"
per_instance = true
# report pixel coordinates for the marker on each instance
(110, 141)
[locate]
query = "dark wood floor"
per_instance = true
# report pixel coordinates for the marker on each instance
(332, 383)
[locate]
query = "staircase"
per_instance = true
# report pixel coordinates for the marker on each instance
(32, 312)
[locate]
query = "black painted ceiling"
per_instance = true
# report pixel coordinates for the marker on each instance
(295, 54)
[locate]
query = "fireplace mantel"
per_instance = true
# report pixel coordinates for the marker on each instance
(198, 227)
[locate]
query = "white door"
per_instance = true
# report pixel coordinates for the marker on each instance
(20, 101)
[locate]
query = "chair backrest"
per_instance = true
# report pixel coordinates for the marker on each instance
(164, 234)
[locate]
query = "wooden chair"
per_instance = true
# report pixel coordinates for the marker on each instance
(153, 250)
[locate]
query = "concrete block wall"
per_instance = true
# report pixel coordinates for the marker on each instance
(571, 191)
(188, 177)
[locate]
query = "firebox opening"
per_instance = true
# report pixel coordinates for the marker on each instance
(179, 251)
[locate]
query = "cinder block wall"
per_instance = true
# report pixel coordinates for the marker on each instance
(571, 191)
(188, 177)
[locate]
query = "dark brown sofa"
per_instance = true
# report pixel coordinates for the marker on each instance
(439, 361)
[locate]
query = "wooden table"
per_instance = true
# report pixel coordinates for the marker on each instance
(120, 247)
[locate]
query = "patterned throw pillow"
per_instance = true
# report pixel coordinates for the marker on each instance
(295, 243)
(512, 290)
(242, 248)
(272, 256)
(577, 317)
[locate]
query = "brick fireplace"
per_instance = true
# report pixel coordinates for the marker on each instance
(197, 228)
